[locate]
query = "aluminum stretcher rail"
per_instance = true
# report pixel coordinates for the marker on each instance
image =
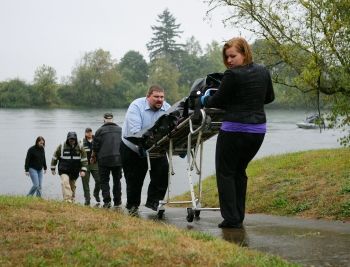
(187, 138)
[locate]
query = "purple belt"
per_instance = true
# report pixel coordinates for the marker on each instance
(229, 126)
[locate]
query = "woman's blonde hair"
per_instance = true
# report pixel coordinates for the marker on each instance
(241, 46)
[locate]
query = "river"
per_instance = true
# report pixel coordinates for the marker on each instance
(20, 127)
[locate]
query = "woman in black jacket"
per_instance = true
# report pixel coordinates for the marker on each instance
(244, 90)
(34, 165)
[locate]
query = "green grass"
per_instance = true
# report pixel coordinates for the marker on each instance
(313, 184)
(35, 232)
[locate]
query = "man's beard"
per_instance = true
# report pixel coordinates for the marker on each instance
(154, 107)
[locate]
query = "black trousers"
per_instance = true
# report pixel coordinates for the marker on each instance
(135, 169)
(233, 153)
(104, 172)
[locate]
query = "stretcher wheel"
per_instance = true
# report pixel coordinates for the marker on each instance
(197, 213)
(190, 215)
(160, 214)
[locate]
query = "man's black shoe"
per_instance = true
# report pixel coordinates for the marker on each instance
(87, 203)
(117, 204)
(153, 206)
(225, 224)
(107, 205)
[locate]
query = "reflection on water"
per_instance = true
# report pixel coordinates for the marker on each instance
(237, 236)
(20, 127)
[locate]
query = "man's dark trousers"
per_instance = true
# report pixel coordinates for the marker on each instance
(135, 168)
(104, 172)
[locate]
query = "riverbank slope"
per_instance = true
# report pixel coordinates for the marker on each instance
(36, 232)
(309, 184)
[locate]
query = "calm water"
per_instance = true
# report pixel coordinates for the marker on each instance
(20, 127)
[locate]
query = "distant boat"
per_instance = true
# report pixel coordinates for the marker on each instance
(311, 122)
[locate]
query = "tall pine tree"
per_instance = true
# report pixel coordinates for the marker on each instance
(163, 42)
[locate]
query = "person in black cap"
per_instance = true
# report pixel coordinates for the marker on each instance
(92, 169)
(105, 148)
(72, 162)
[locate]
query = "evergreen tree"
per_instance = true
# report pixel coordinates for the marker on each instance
(163, 42)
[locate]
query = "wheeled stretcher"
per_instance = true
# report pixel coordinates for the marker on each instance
(187, 138)
(182, 131)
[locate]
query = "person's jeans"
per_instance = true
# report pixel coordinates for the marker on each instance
(37, 177)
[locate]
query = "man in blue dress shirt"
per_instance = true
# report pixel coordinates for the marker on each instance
(143, 113)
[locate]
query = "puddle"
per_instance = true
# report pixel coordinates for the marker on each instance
(307, 242)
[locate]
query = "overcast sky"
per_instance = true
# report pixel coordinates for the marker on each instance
(58, 32)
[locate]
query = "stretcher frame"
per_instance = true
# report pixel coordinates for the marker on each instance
(187, 139)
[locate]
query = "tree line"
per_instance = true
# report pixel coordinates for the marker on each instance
(98, 80)
(305, 44)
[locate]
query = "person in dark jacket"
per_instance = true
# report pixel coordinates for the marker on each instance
(92, 169)
(105, 148)
(72, 162)
(34, 165)
(244, 90)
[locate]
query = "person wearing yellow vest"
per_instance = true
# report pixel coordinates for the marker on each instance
(92, 169)
(72, 162)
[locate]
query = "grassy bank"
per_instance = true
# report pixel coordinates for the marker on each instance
(36, 232)
(313, 184)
